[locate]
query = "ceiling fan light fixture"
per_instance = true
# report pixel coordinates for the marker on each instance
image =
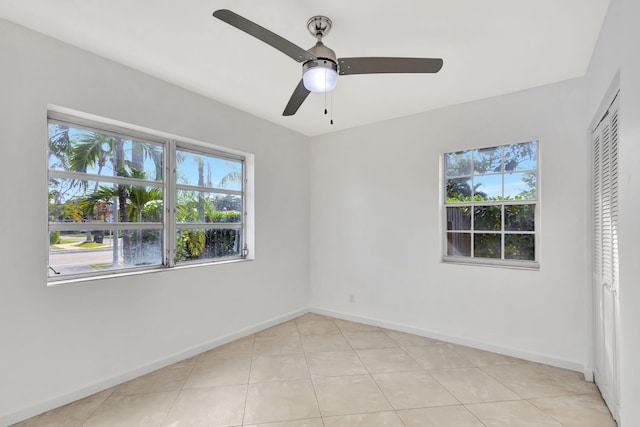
(320, 63)
(320, 75)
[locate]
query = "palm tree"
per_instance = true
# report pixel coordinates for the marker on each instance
(92, 148)
(137, 198)
(96, 149)
(231, 177)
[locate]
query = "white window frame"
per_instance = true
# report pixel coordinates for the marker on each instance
(495, 262)
(169, 224)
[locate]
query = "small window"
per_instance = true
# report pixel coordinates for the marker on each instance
(121, 200)
(491, 205)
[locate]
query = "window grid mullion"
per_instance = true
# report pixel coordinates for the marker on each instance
(170, 250)
(81, 176)
(97, 226)
(502, 237)
(502, 234)
(217, 190)
(231, 247)
(208, 225)
(503, 204)
(473, 230)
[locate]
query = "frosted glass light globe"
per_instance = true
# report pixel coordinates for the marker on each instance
(320, 79)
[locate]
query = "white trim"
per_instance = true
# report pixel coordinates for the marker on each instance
(171, 203)
(513, 352)
(63, 399)
(53, 281)
(171, 144)
(605, 102)
(444, 205)
(101, 126)
(492, 262)
(162, 136)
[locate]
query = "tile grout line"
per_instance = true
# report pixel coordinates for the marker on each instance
(181, 389)
(313, 385)
(442, 385)
(84, 421)
(395, 411)
(434, 378)
(246, 393)
(546, 413)
(565, 386)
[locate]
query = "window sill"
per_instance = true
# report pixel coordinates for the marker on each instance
(56, 282)
(517, 265)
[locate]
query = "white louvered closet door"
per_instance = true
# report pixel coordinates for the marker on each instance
(605, 254)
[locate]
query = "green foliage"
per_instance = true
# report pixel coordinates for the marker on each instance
(218, 243)
(487, 160)
(195, 243)
(60, 146)
(459, 163)
(516, 154)
(54, 237)
(90, 245)
(72, 210)
(195, 207)
(487, 218)
(232, 217)
(182, 253)
(94, 203)
(83, 151)
(464, 167)
(152, 210)
(519, 246)
(486, 245)
(459, 190)
(519, 217)
(91, 148)
(227, 203)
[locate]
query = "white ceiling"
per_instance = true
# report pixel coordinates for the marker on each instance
(489, 48)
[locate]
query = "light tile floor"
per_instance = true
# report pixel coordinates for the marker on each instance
(317, 371)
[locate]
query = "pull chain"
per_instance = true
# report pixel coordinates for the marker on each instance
(325, 90)
(331, 101)
(325, 97)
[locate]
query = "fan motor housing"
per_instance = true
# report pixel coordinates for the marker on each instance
(326, 58)
(320, 51)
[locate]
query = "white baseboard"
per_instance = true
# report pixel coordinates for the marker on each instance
(72, 396)
(508, 351)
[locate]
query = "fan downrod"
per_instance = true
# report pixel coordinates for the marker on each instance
(319, 26)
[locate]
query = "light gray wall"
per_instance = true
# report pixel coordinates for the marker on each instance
(374, 231)
(60, 342)
(376, 228)
(617, 52)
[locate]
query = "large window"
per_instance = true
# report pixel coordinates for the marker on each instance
(121, 200)
(490, 204)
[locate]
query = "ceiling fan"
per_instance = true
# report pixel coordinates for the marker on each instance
(320, 67)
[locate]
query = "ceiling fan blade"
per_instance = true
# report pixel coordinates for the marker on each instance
(375, 65)
(300, 93)
(272, 39)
